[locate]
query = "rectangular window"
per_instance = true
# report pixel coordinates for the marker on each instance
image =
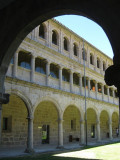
(7, 124)
(73, 124)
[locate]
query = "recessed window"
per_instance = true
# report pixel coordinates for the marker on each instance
(99, 88)
(40, 65)
(98, 63)
(92, 85)
(24, 60)
(75, 79)
(54, 37)
(84, 54)
(105, 90)
(7, 124)
(65, 44)
(75, 48)
(91, 59)
(42, 31)
(83, 82)
(54, 71)
(65, 75)
(111, 92)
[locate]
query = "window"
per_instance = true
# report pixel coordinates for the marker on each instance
(92, 85)
(54, 71)
(105, 90)
(40, 65)
(65, 44)
(111, 92)
(65, 75)
(98, 63)
(73, 124)
(84, 54)
(91, 59)
(99, 88)
(42, 31)
(75, 79)
(83, 82)
(104, 66)
(54, 37)
(24, 60)
(75, 48)
(7, 124)
(116, 95)
(93, 131)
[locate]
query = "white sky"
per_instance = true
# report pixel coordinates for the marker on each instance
(89, 30)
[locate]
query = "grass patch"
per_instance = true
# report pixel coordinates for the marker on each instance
(105, 152)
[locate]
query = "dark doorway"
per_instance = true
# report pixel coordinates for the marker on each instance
(45, 134)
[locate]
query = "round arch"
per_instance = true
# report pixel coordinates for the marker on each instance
(25, 99)
(57, 105)
(115, 123)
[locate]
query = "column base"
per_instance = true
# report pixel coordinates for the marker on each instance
(29, 150)
(60, 147)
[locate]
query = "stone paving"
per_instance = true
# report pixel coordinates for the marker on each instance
(19, 151)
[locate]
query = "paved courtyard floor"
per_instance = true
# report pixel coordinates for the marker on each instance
(19, 151)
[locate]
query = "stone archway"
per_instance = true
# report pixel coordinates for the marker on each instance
(115, 122)
(104, 124)
(91, 124)
(45, 124)
(14, 122)
(71, 124)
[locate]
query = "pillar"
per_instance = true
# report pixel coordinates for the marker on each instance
(102, 92)
(82, 131)
(71, 47)
(113, 95)
(15, 65)
(110, 130)
(47, 73)
(60, 133)
(29, 148)
(61, 42)
(60, 77)
(32, 76)
(108, 93)
(98, 130)
(96, 88)
(71, 81)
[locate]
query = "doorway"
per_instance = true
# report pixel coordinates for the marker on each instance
(45, 134)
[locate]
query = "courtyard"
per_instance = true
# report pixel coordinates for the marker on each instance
(104, 152)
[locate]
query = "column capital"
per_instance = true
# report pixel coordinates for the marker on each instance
(60, 120)
(82, 121)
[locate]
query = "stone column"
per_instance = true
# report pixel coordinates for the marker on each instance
(80, 83)
(61, 42)
(88, 87)
(47, 72)
(102, 92)
(88, 57)
(60, 133)
(29, 148)
(96, 88)
(71, 47)
(49, 37)
(0, 123)
(82, 131)
(32, 76)
(110, 130)
(60, 77)
(95, 61)
(80, 52)
(15, 65)
(71, 81)
(113, 95)
(98, 130)
(108, 93)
